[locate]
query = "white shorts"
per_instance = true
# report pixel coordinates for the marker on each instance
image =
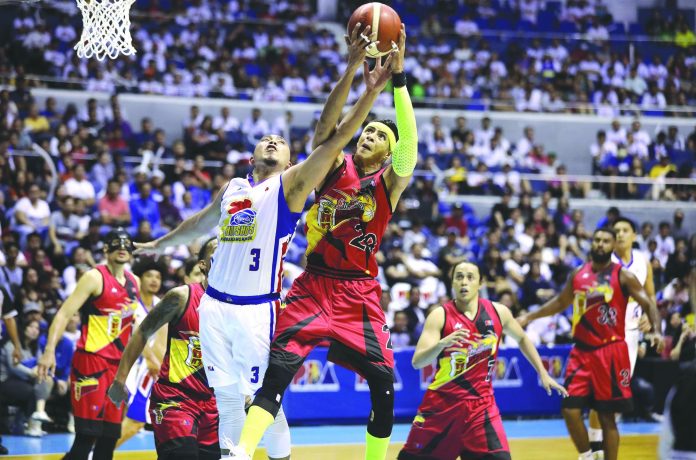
(235, 342)
(139, 384)
(632, 337)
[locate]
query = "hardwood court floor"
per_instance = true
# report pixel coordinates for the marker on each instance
(633, 447)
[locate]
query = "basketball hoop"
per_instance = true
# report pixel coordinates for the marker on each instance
(106, 29)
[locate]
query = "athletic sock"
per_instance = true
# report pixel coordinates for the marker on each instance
(596, 439)
(258, 420)
(586, 455)
(376, 448)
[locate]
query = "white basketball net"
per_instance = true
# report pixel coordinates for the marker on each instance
(106, 30)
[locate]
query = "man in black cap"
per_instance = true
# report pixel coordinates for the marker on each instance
(106, 297)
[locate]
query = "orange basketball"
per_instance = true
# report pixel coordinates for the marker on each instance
(385, 26)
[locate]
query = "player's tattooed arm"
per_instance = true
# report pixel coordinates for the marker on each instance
(169, 308)
(555, 305)
(633, 287)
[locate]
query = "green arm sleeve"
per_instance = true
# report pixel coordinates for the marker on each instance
(405, 154)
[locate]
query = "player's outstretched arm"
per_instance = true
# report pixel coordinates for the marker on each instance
(431, 343)
(90, 284)
(405, 154)
(514, 330)
(170, 307)
(636, 290)
(333, 107)
(301, 179)
(195, 226)
(555, 305)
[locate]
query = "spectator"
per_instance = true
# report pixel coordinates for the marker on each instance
(32, 213)
(400, 335)
(35, 123)
(19, 383)
(414, 313)
(255, 127)
(684, 350)
(113, 209)
(145, 208)
(79, 187)
(64, 229)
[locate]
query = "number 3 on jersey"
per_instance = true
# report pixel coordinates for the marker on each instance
(255, 257)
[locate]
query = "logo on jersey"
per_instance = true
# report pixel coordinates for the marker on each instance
(85, 386)
(591, 297)
(161, 409)
(315, 375)
(194, 358)
(240, 224)
(332, 212)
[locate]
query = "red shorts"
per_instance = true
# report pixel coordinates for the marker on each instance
(347, 312)
(599, 379)
(95, 414)
(470, 429)
(182, 424)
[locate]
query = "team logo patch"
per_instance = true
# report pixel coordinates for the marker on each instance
(315, 375)
(161, 409)
(85, 386)
(194, 358)
(240, 224)
(334, 211)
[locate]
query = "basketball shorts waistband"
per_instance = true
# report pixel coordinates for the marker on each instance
(241, 300)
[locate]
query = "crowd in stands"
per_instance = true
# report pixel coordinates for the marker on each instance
(277, 51)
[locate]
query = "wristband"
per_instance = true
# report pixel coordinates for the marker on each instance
(399, 79)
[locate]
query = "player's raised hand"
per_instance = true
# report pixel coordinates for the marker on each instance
(357, 45)
(377, 79)
(117, 393)
(46, 366)
(550, 384)
(400, 48)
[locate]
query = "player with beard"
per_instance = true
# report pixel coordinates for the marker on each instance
(257, 217)
(637, 263)
(598, 374)
(106, 297)
(185, 419)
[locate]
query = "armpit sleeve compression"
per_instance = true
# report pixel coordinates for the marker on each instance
(405, 154)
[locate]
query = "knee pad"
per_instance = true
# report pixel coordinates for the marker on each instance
(282, 367)
(230, 405)
(382, 416)
(277, 437)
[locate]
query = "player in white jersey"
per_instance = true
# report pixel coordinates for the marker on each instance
(256, 218)
(144, 373)
(635, 261)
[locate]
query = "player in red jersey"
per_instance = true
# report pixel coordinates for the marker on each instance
(598, 374)
(182, 405)
(106, 298)
(458, 416)
(338, 297)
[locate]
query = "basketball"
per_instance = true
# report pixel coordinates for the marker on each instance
(385, 26)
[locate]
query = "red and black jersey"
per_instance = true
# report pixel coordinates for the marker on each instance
(346, 223)
(107, 319)
(182, 368)
(464, 372)
(599, 306)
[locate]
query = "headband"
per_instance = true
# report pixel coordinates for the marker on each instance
(382, 127)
